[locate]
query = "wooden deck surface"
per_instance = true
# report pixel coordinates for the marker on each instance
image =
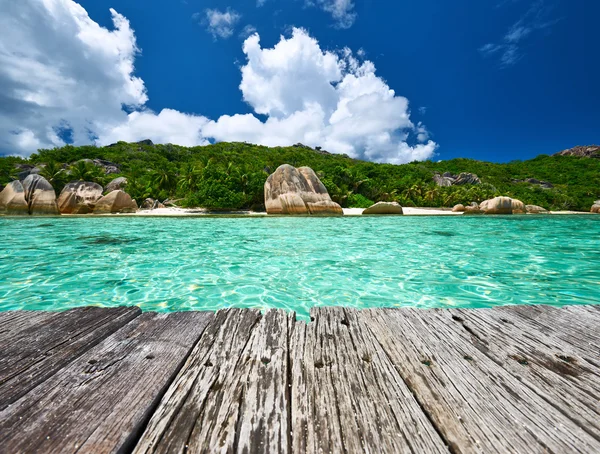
(510, 379)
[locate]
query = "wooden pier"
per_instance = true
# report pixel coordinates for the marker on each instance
(510, 379)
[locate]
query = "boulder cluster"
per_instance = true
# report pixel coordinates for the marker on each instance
(36, 196)
(499, 205)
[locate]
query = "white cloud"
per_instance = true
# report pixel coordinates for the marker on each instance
(221, 24)
(509, 48)
(169, 126)
(321, 98)
(60, 68)
(342, 11)
(77, 77)
(247, 31)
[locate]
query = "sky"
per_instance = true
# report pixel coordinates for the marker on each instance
(393, 81)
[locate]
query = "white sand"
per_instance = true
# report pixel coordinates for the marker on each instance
(408, 211)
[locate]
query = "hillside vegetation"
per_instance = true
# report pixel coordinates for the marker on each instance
(232, 175)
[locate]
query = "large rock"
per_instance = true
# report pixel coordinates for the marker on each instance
(596, 207)
(518, 207)
(298, 191)
(384, 208)
(40, 195)
(502, 205)
(115, 202)
(466, 178)
(117, 183)
(534, 209)
(448, 179)
(588, 151)
(79, 197)
(443, 181)
(26, 169)
(12, 200)
(109, 167)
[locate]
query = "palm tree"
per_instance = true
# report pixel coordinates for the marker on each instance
(53, 173)
(188, 181)
(162, 180)
(83, 171)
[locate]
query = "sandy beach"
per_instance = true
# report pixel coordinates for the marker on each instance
(408, 211)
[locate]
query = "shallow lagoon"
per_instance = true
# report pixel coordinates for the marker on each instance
(208, 263)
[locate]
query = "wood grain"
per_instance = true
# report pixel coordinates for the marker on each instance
(49, 342)
(103, 399)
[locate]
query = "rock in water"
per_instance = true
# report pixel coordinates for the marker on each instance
(79, 197)
(502, 205)
(40, 195)
(117, 183)
(534, 209)
(298, 191)
(12, 200)
(384, 208)
(115, 202)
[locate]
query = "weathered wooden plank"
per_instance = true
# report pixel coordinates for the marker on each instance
(571, 325)
(346, 394)
(475, 403)
(102, 400)
(262, 423)
(315, 422)
(38, 351)
(12, 322)
(552, 369)
(203, 396)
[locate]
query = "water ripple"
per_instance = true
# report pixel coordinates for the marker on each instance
(168, 264)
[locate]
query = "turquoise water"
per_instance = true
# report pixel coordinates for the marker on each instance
(170, 264)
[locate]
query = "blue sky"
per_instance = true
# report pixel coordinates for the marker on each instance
(490, 80)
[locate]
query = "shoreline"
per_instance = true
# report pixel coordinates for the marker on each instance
(408, 211)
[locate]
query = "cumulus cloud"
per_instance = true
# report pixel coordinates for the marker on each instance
(77, 78)
(321, 98)
(221, 24)
(508, 50)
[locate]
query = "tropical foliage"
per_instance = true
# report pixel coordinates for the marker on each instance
(232, 175)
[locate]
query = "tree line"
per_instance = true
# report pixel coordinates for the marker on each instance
(232, 175)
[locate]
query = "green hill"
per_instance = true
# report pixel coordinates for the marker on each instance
(232, 175)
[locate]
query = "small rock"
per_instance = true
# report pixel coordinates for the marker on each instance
(459, 208)
(148, 204)
(534, 209)
(384, 208)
